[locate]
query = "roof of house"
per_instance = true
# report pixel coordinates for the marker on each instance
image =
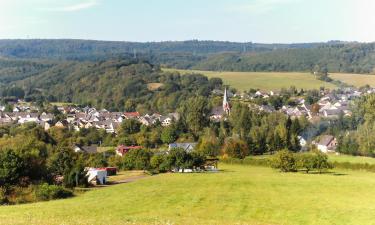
(90, 149)
(124, 149)
(186, 146)
(326, 139)
(131, 114)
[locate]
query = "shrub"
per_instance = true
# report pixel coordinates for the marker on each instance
(45, 192)
(284, 160)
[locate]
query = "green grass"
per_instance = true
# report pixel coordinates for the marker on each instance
(123, 175)
(351, 159)
(263, 80)
(239, 195)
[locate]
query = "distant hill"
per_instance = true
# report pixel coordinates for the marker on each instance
(335, 56)
(86, 49)
(115, 84)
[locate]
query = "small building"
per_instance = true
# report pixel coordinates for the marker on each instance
(121, 150)
(89, 149)
(97, 176)
(327, 143)
(188, 147)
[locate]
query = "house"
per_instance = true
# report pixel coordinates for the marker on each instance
(188, 147)
(89, 149)
(46, 117)
(165, 121)
(62, 124)
(302, 142)
(217, 113)
(97, 176)
(327, 143)
(131, 115)
(121, 150)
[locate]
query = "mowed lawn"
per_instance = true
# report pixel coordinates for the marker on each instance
(263, 80)
(238, 195)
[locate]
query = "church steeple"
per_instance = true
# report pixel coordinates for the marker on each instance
(226, 106)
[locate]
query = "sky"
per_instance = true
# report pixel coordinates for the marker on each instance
(261, 21)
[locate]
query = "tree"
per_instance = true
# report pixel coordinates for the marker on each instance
(209, 144)
(11, 167)
(321, 162)
(306, 161)
(168, 135)
(195, 114)
(236, 148)
(130, 126)
(61, 162)
(284, 161)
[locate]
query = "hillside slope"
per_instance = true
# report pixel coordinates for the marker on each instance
(238, 195)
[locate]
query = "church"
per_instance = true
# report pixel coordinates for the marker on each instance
(220, 112)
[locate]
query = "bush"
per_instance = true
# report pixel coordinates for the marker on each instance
(285, 161)
(45, 192)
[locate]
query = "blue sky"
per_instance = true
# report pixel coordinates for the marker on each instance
(266, 21)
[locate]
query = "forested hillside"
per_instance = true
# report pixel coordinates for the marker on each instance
(88, 49)
(118, 84)
(335, 56)
(349, 58)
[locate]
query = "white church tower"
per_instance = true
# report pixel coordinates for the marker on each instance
(226, 106)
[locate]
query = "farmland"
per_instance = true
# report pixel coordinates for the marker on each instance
(356, 80)
(239, 194)
(263, 80)
(277, 80)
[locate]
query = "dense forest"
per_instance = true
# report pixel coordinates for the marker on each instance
(117, 85)
(336, 56)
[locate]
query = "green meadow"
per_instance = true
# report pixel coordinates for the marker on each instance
(263, 80)
(237, 195)
(277, 80)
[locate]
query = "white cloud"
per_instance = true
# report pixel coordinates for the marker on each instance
(258, 6)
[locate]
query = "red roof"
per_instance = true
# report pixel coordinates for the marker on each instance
(122, 149)
(132, 114)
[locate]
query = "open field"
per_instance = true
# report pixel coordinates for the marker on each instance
(357, 80)
(154, 86)
(351, 159)
(263, 80)
(238, 195)
(338, 158)
(277, 80)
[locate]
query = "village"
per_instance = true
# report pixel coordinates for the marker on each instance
(331, 105)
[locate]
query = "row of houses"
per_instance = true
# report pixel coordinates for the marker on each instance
(77, 118)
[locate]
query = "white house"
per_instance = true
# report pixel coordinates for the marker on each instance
(96, 176)
(327, 143)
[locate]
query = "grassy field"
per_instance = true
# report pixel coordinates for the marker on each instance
(277, 80)
(351, 159)
(238, 195)
(357, 80)
(263, 80)
(154, 86)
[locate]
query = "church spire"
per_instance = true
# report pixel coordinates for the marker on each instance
(226, 106)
